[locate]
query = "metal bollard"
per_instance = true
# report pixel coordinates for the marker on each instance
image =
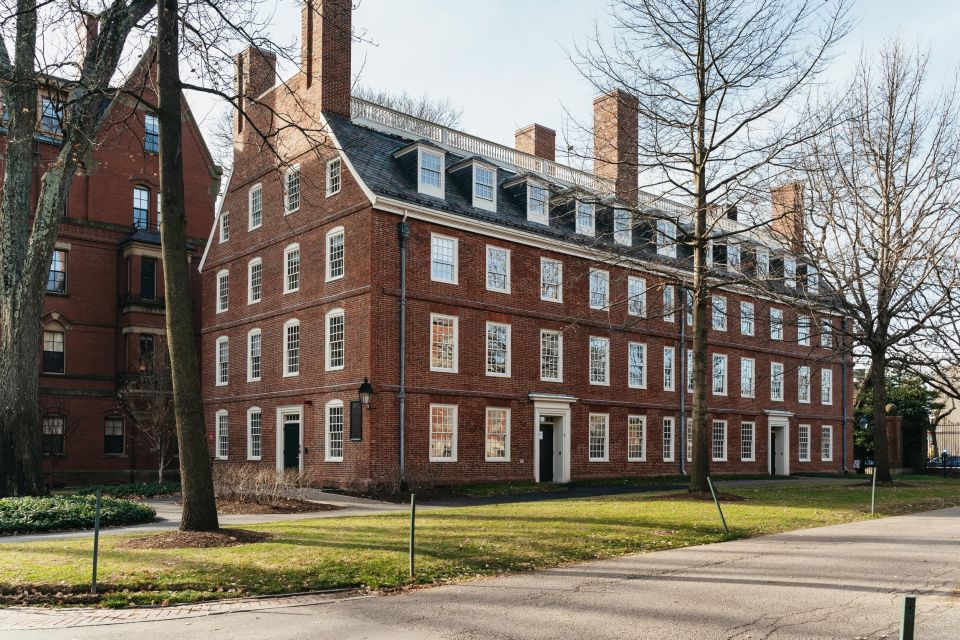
(873, 491)
(909, 615)
(96, 544)
(413, 527)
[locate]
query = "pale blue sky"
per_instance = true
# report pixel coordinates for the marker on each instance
(503, 61)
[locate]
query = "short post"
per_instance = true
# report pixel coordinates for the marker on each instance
(96, 544)
(413, 529)
(717, 502)
(873, 490)
(909, 615)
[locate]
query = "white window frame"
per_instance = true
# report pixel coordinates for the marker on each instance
(826, 443)
(762, 267)
(328, 434)
(733, 249)
(334, 179)
(257, 188)
(748, 318)
(256, 262)
(479, 201)
(606, 361)
(453, 438)
(752, 391)
(632, 422)
(429, 189)
(826, 334)
(689, 371)
(669, 303)
(222, 440)
(559, 336)
(636, 296)
(622, 235)
(803, 330)
(774, 378)
(223, 286)
(719, 307)
(606, 437)
(456, 343)
(486, 335)
(250, 454)
(713, 440)
(719, 357)
(804, 386)
(669, 444)
(670, 382)
(776, 324)
(803, 455)
(826, 384)
(493, 248)
(221, 365)
(642, 383)
(602, 277)
(666, 238)
(582, 229)
(287, 252)
(287, 175)
(328, 344)
(224, 226)
(506, 436)
(454, 279)
(250, 334)
(328, 244)
(293, 322)
(790, 271)
(750, 427)
(559, 284)
(533, 215)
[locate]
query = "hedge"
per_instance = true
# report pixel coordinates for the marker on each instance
(132, 490)
(58, 513)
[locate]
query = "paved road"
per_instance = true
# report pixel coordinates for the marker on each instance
(841, 582)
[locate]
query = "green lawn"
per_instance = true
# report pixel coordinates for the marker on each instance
(452, 543)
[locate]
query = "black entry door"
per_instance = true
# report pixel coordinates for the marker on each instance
(291, 445)
(773, 452)
(546, 452)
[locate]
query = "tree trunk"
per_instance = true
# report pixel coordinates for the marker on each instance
(881, 456)
(196, 479)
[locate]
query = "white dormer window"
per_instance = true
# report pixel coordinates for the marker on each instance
(484, 187)
(586, 221)
(709, 254)
(733, 257)
(813, 284)
(790, 271)
(537, 210)
(622, 227)
(430, 173)
(763, 263)
(666, 238)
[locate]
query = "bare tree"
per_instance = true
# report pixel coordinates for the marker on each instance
(716, 86)
(442, 111)
(885, 227)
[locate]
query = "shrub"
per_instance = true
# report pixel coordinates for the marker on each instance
(57, 513)
(133, 490)
(257, 483)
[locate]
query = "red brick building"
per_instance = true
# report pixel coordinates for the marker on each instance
(103, 318)
(517, 318)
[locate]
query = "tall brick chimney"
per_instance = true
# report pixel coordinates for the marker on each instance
(325, 46)
(615, 131)
(255, 71)
(88, 27)
(786, 214)
(537, 140)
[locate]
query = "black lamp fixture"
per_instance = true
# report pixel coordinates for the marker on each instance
(365, 391)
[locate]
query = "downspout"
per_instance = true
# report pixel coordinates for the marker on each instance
(843, 397)
(403, 229)
(682, 382)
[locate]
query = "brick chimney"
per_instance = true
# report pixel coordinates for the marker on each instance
(325, 44)
(615, 131)
(786, 214)
(537, 140)
(255, 71)
(88, 27)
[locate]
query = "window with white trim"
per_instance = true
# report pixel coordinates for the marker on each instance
(223, 360)
(669, 308)
(748, 447)
(254, 281)
(551, 280)
(254, 355)
(813, 282)
(334, 177)
(498, 269)
(622, 227)
(636, 438)
(599, 360)
(669, 435)
(776, 324)
(669, 377)
(719, 441)
(335, 253)
(224, 226)
(255, 207)
(803, 384)
(333, 433)
(748, 377)
(636, 296)
(666, 238)
(254, 433)
(537, 203)
(291, 268)
(443, 343)
(826, 386)
(443, 433)
(57, 274)
(551, 356)
(803, 443)
(637, 365)
(776, 381)
(599, 289)
(498, 349)
(689, 439)
(497, 447)
(826, 443)
(719, 313)
(430, 173)
(763, 263)
(688, 296)
(291, 348)
(790, 271)
(709, 254)
(826, 339)
(733, 256)
(599, 430)
(223, 435)
(335, 340)
(746, 318)
(689, 371)
(585, 219)
(291, 189)
(484, 187)
(443, 259)
(223, 291)
(719, 374)
(803, 330)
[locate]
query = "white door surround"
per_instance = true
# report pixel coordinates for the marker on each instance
(278, 443)
(557, 407)
(778, 425)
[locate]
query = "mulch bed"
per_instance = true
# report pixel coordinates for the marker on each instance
(281, 505)
(195, 539)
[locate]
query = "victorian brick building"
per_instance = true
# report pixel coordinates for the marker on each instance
(103, 317)
(518, 319)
